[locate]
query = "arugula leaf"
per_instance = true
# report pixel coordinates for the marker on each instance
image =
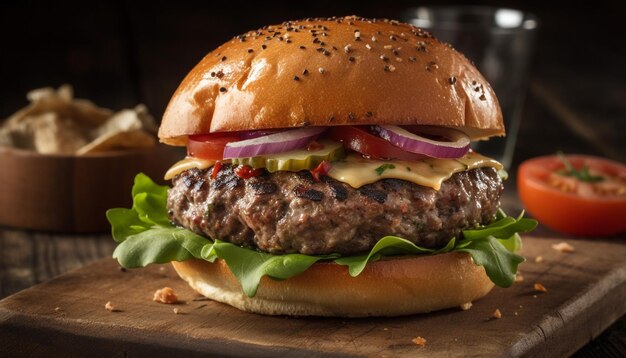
(249, 265)
(499, 263)
(127, 223)
(146, 236)
(159, 245)
(503, 228)
(387, 246)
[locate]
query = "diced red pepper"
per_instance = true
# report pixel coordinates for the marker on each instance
(322, 169)
(216, 169)
(247, 172)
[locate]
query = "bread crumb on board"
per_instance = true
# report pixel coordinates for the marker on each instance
(465, 306)
(497, 314)
(539, 259)
(519, 278)
(419, 341)
(563, 247)
(540, 288)
(58, 309)
(165, 295)
(109, 307)
(177, 311)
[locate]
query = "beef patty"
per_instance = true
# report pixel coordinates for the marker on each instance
(286, 212)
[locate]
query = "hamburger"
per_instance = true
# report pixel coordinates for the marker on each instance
(329, 173)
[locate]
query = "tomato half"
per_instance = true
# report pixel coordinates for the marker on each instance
(361, 140)
(210, 146)
(565, 203)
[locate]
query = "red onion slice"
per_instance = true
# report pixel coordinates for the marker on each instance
(456, 147)
(273, 143)
(259, 133)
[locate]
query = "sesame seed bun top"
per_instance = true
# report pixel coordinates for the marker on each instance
(326, 72)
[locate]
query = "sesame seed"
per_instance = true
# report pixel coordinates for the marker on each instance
(250, 50)
(288, 41)
(373, 38)
(452, 80)
(351, 116)
(223, 58)
(389, 68)
(305, 72)
(392, 38)
(296, 78)
(316, 41)
(398, 59)
(222, 89)
(351, 59)
(384, 57)
(387, 47)
(482, 97)
(302, 47)
(369, 114)
(321, 70)
(367, 46)
(263, 46)
(412, 59)
(348, 48)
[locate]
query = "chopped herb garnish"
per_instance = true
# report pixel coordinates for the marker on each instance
(384, 167)
(581, 174)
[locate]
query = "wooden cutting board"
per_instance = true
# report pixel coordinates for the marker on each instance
(66, 316)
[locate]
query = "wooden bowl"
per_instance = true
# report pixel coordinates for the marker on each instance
(64, 193)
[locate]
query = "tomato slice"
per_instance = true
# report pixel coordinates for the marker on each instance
(210, 146)
(359, 139)
(569, 205)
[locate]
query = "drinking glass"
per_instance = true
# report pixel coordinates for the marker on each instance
(500, 43)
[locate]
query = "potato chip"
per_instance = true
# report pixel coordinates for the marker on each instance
(119, 141)
(5, 138)
(55, 135)
(55, 122)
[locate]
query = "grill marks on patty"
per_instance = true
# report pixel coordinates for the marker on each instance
(287, 212)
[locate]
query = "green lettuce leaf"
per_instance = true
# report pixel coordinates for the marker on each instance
(387, 246)
(159, 245)
(146, 236)
(500, 264)
(249, 265)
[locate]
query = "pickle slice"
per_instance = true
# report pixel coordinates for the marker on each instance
(295, 160)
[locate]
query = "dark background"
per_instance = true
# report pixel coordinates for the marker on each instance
(120, 53)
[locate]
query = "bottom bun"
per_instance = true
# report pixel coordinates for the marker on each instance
(389, 287)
